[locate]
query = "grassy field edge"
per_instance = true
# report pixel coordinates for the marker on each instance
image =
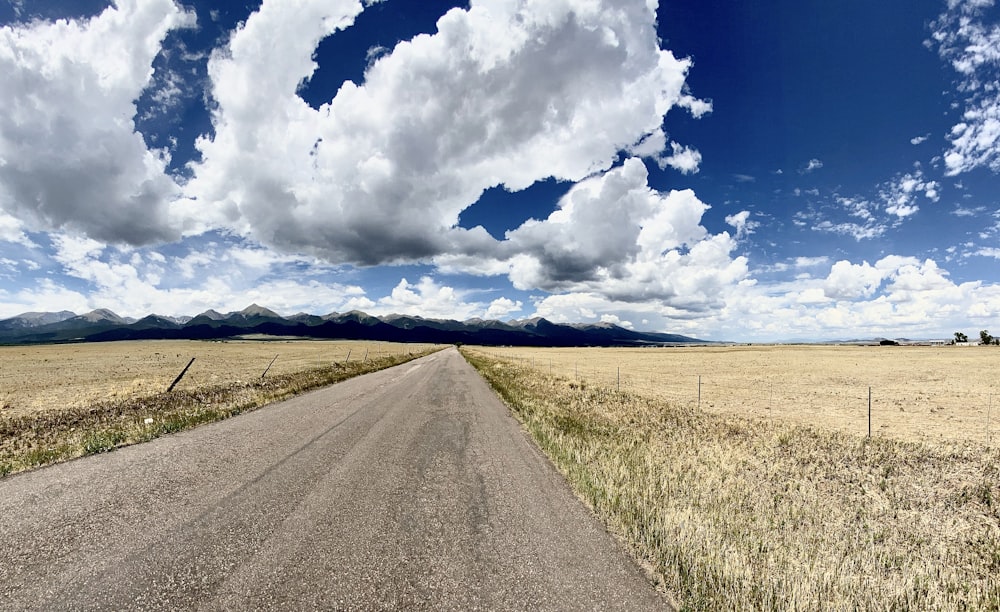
(36, 440)
(738, 513)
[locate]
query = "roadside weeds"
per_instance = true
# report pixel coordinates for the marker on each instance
(739, 513)
(36, 440)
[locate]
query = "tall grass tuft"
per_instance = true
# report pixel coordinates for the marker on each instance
(736, 513)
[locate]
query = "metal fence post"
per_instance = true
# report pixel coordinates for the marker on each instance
(869, 412)
(988, 411)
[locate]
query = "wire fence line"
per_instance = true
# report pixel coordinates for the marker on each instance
(57, 376)
(901, 409)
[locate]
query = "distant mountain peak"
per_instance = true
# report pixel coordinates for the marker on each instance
(36, 319)
(157, 321)
(598, 325)
(255, 310)
(103, 314)
(394, 316)
(532, 322)
(103, 325)
(358, 315)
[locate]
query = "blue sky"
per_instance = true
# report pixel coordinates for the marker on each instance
(723, 169)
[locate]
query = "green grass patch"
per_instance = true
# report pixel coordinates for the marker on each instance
(103, 441)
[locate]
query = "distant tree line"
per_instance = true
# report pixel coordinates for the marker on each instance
(985, 338)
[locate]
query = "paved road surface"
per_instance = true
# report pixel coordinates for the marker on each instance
(410, 488)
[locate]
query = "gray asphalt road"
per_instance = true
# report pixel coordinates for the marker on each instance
(410, 488)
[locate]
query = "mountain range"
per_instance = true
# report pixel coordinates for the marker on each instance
(103, 325)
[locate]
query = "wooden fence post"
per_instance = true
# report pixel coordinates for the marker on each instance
(268, 368)
(180, 376)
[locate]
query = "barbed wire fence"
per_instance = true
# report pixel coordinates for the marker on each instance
(870, 409)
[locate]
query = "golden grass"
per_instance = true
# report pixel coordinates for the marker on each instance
(60, 376)
(924, 394)
(735, 512)
(66, 401)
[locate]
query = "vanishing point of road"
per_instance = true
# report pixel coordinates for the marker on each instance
(409, 488)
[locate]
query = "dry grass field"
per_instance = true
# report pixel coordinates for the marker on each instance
(59, 376)
(941, 393)
(741, 507)
(58, 402)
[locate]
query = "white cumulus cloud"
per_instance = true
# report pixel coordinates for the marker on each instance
(501, 308)
(503, 93)
(615, 237)
(684, 159)
(135, 282)
(971, 45)
(70, 157)
(430, 299)
(900, 194)
(848, 281)
(811, 165)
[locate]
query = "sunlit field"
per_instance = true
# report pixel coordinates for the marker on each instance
(757, 501)
(64, 401)
(55, 377)
(917, 393)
